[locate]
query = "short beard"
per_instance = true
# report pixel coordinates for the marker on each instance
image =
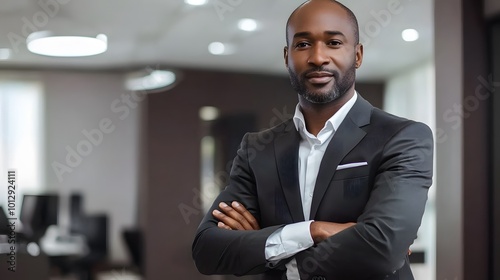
(339, 88)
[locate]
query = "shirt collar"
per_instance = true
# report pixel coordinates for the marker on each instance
(333, 122)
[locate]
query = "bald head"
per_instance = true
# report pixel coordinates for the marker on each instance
(350, 15)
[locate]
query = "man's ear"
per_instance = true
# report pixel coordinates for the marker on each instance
(359, 55)
(285, 55)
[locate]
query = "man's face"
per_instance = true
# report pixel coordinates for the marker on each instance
(322, 53)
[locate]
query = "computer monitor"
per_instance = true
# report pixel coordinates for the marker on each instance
(38, 212)
(4, 222)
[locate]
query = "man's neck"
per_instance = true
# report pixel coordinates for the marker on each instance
(316, 115)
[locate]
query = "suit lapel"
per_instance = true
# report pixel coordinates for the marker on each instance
(287, 155)
(347, 136)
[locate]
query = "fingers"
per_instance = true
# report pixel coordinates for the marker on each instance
(239, 221)
(224, 226)
(226, 221)
(246, 214)
(231, 218)
(235, 217)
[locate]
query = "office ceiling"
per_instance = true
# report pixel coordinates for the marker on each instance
(161, 33)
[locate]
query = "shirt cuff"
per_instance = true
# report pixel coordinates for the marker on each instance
(288, 241)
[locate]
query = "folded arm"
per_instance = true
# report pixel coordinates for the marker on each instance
(284, 242)
(237, 217)
(379, 241)
(240, 252)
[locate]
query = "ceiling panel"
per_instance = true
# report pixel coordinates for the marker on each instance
(171, 33)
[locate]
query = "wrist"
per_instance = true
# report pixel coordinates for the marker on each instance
(323, 230)
(317, 234)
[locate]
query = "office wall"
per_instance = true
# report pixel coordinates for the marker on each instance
(491, 8)
(477, 149)
(495, 138)
(174, 134)
(412, 93)
(462, 152)
(107, 174)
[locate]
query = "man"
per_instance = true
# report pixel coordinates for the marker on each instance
(340, 191)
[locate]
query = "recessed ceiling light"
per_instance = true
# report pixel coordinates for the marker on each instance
(196, 2)
(153, 80)
(5, 54)
(45, 43)
(247, 24)
(410, 35)
(218, 48)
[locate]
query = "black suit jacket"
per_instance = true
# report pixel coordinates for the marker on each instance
(386, 198)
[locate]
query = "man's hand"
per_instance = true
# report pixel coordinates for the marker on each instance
(322, 230)
(235, 216)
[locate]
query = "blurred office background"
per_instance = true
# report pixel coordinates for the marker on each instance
(117, 155)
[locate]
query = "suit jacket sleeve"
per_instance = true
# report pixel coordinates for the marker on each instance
(220, 251)
(378, 244)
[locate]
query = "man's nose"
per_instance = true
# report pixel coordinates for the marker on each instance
(318, 56)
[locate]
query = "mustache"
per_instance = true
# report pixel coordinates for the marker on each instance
(334, 73)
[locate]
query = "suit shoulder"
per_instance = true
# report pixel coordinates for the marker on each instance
(392, 123)
(279, 128)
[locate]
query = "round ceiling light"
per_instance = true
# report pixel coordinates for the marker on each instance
(146, 81)
(196, 2)
(410, 35)
(45, 43)
(218, 48)
(5, 53)
(247, 24)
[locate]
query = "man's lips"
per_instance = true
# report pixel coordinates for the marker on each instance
(319, 77)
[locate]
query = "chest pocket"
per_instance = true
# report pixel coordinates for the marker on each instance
(352, 172)
(352, 182)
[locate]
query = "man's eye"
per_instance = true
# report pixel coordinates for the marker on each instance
(335, 43)
(301, 45)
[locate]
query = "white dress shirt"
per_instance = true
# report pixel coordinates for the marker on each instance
(293, 238)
